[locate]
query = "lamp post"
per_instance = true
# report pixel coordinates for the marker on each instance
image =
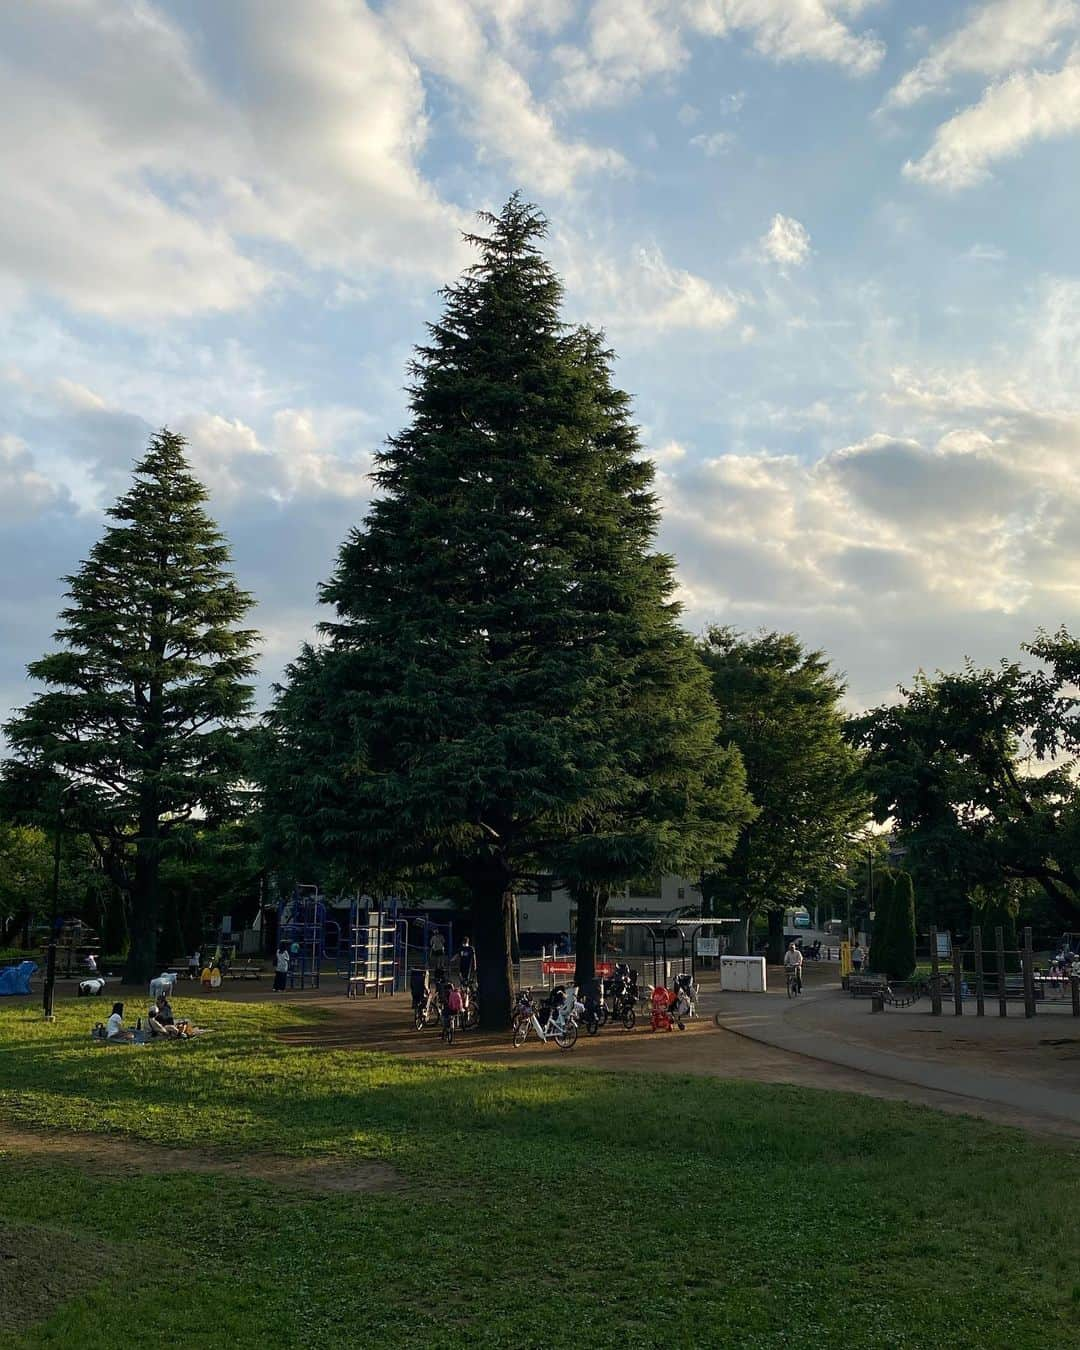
(48, 992)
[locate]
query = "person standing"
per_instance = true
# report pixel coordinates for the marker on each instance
(437, 953)
(281, 967)
(857, 956)
(466, 961)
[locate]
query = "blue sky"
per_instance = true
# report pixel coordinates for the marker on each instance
(832, 241)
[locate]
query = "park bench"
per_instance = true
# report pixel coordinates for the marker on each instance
(244, 972)
(865, 986)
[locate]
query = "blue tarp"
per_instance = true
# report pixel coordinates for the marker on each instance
(16, 979)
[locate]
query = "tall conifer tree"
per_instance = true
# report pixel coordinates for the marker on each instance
(496, 611)
(147, 696)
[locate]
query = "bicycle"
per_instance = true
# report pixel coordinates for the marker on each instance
(794, 981)
(427, 1012)
(450, 1025)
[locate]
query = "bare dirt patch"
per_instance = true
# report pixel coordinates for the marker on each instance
(110, 1155)
(40, 1268)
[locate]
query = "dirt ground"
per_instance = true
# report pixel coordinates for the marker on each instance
(115, 1156)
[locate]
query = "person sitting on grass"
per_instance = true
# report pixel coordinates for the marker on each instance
(114, 1027)
(164, 1023)
(160, 1020)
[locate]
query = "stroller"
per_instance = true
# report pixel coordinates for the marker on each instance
(624, 995)
(684, 1000)
(665, 1015)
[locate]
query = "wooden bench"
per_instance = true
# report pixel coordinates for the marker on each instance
(245, 972)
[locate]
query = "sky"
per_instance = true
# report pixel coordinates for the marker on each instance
(833, 243)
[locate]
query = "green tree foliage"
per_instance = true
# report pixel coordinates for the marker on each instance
(780, 707)
(501, 625)
(977, 770)
(892, 949)
(993, 908)
(147, 694)
(209, 871)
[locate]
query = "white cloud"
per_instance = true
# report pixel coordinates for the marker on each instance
(1010, 116)
(786, 242)
(643, 297)
(996, 38)
(25, 492)
(713, 143)
(629, 42)
(496, 103)
(136, 186)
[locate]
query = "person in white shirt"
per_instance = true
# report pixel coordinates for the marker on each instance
(856, 958)
(114, 1027)
(793, 959)
(281, 967)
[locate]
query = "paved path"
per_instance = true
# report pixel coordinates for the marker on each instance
(775, 1022)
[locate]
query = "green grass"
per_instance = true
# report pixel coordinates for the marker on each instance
(538, 1207)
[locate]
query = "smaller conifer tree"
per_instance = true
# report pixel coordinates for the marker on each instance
(147, 695)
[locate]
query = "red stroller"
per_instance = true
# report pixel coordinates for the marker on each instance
(662, 1019)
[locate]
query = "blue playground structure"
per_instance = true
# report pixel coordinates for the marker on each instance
(371, 946)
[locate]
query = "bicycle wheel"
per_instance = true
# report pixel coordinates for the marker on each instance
(521, 1030)
(450, 1031)
(592, 1026)
(629, 1019)
(567, 1039)
(419, 1019)
(472, 1017)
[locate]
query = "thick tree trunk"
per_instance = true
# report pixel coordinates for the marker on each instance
(776, 937)
(492, 907)
(588, 912)
(142, 954)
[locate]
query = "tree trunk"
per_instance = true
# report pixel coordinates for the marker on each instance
(587, 897)
(776, 937)
(492, 907)
(142, 954)
(740, 934)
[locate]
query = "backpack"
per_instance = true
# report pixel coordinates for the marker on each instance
(453, 1001)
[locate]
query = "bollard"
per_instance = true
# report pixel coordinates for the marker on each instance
(1075, 982)
(877, 1003)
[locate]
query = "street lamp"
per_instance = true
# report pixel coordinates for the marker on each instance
(47, 995)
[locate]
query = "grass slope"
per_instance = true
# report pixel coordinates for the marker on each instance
(537, 1207)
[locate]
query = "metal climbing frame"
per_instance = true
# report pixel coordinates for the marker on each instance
(372, 949)
(302, 924)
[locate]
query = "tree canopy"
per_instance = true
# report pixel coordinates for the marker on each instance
(977, 771)
(780, 706)
(503, 623)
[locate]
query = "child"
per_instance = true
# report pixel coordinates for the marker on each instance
(452, 1007)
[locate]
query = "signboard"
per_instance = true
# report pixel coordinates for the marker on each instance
(708, 946)
(944, 945)
(566, 965)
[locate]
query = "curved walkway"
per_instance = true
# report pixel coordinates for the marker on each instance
(774, 1021)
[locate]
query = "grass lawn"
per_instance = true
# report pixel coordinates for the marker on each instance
(535, 1207)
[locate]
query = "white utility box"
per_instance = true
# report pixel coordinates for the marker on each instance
(745, 974)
